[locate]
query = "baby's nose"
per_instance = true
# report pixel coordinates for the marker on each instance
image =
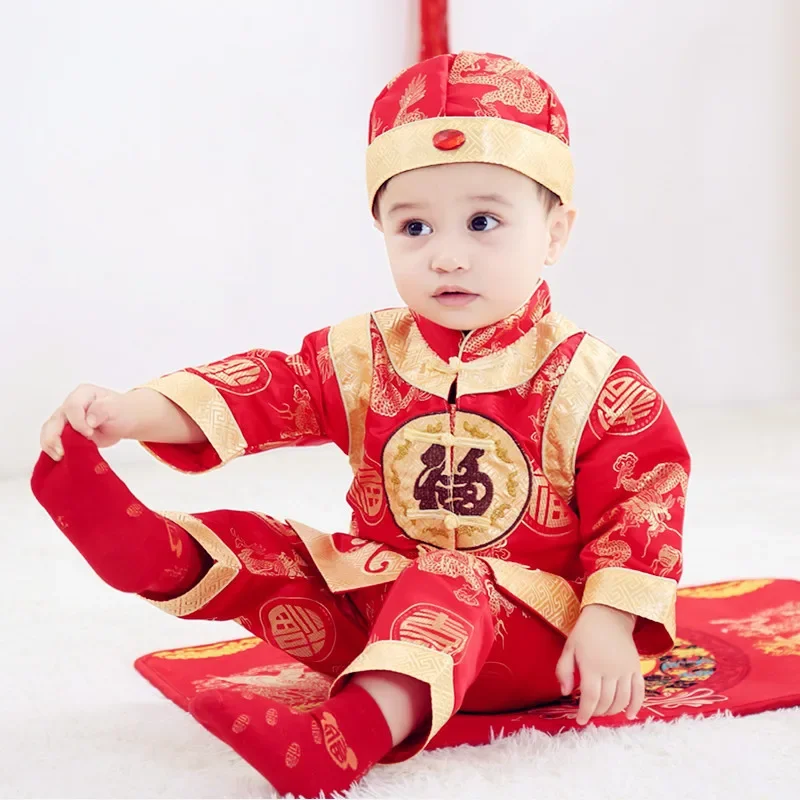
(448, 264)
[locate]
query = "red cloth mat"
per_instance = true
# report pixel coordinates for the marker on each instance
(738, 650)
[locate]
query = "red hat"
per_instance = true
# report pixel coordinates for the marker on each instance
(465, 108)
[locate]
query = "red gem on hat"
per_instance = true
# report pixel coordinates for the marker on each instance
(449, 139)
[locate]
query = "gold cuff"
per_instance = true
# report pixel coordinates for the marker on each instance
(416, 661)
(647, 596)
(207, 408)
(224, 570)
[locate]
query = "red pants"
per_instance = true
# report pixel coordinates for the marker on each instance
(443, 621)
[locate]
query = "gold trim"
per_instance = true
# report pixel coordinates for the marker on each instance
(639, 593)
(416, 661)
(489, 140)
(345, 571)
(417, 364)
(224, 570)
(548, 595)
(410, 355)
(572, 404)
(350, 348)
(207, 407)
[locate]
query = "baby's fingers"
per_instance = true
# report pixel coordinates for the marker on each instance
(75, 411)
(97, 412)
(590, 694)
(50, 436)
(607, 692)
(622, 698)
(637, 696)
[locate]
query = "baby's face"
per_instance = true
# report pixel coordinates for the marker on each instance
(467, 242)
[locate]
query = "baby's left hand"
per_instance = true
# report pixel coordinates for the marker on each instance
(601, 645)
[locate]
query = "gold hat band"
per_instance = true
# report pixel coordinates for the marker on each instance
(489, 140)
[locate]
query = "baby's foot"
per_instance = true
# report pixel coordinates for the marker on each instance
(323, 750)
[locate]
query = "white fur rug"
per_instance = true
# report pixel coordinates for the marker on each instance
(78, 721)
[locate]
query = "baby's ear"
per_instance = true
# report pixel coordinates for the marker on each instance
(377, 223)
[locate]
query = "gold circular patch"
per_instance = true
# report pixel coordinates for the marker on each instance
(242, 375)
(301, 627)
(240, 723)
(293, 754)
(435, 627)
(627, 405)
(463, 488)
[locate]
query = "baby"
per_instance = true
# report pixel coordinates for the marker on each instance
(518, 490)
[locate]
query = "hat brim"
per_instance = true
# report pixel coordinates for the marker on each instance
(488, 140)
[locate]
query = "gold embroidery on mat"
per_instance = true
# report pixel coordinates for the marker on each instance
(783, 620)
(716, 591)
(219, 576)
(351, 355)
(569, 412)
(638, 593)
(419, 365)
(550, 596)
(206, 406)
(216, 650)
(416, 661)
(369, 564)
(294, 685)
(532, 152)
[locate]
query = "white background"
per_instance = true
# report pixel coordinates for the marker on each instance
(183, 180)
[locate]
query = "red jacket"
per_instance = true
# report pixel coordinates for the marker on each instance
(529, 443)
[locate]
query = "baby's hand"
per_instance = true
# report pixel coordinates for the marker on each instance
(601, 645)
(99, 414)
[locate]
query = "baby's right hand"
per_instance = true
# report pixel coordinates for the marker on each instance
(101, 415)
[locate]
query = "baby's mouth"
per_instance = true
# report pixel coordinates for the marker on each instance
(454, 296)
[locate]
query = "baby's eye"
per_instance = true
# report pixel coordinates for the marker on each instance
(483, 222)
(417, 228)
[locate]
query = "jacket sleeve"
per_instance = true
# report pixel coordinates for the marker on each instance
(631, 475)
(255, 401)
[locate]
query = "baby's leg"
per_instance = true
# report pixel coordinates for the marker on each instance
(427, 644)
(429, 641)
(127, 545)
(211, 565)
(520, 670)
